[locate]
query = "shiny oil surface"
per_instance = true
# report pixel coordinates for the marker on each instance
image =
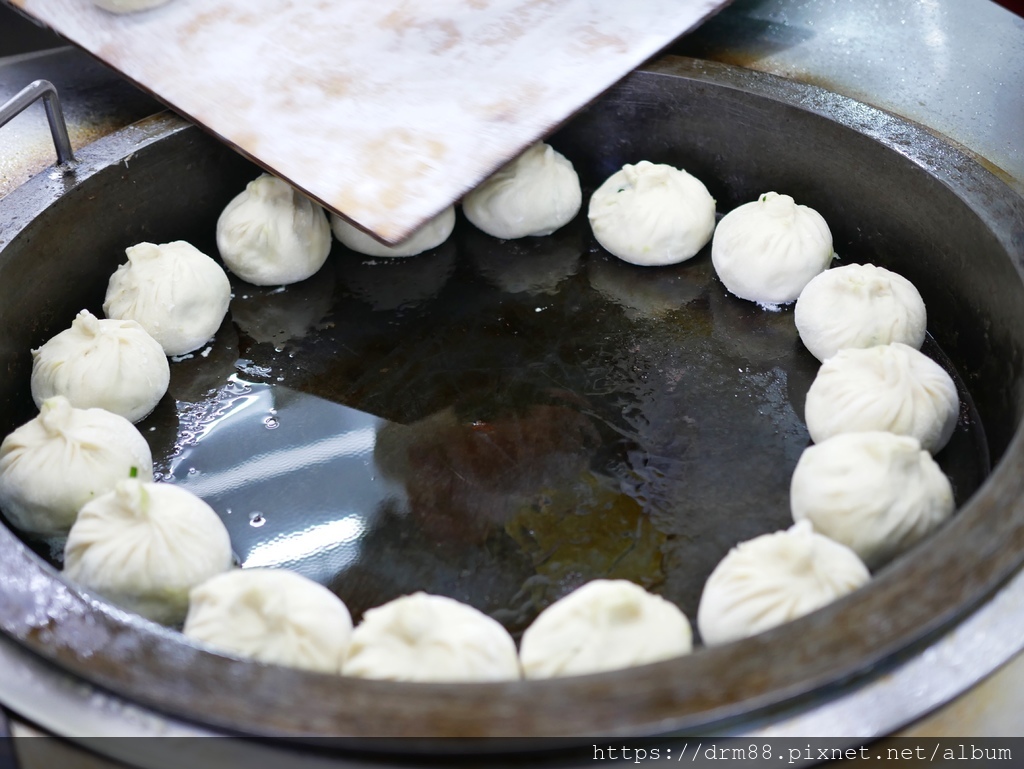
(499, 422)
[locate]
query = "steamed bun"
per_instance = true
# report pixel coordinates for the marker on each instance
(108, 364)
(430, 235)
(652, 214)
(144, 546)
(891, 387)
(875, 492)
(422, 637)
(65, 457)
(604, 625)
(859, 305)
(773, 579)
(535, 194)
(270, 234)
(174, 291)
(768, 250)
(271, 615)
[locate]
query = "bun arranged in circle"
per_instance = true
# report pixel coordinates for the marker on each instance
(271, 615)
(430, 235)
(892, 388)
(652, 214)
(766, 251)
(174, 291)
(604, 625)
(535, 194)
(423, 637)
(773, 579)
(53, 464)
(270, 234)
(875, 492)
(144, 546)
(108, 364)
(859, 305)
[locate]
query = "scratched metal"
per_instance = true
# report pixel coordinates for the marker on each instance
(383, 111)
(731, 138)
(953, 65)
(94, 99)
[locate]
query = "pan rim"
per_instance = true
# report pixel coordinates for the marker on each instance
(653, 699)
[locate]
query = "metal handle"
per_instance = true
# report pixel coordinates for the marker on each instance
(42, 89)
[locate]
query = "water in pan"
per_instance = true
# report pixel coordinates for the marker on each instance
(499, 422)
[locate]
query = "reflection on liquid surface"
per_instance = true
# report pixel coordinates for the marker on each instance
(457, 434)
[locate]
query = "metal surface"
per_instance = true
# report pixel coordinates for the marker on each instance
(955, 66)
(398, 137)
(761, 34)
(42, 89)
(95, 100)
(935, 675)
(942, 220)
(951, 65)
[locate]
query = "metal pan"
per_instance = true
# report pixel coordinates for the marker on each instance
(617, 393)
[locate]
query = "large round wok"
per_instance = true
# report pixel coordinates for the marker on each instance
(893, 193)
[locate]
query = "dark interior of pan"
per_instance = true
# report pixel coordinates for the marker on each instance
(503, 421)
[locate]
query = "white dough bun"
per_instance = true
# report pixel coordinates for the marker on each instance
(144, 546)
(271, 615)
(423, 637)
(108, 364)
(270, 234)
(767, 250)
(859, 305)
(773, 579)
(893, 388)
(173, 290)
(875, 492)
(534, 195)
(604, 625)
(652, 214)
(430, 235)
(53, 464)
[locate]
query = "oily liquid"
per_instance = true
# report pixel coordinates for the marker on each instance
(499, 422)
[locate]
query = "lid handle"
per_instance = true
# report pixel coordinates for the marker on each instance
(42, 89)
